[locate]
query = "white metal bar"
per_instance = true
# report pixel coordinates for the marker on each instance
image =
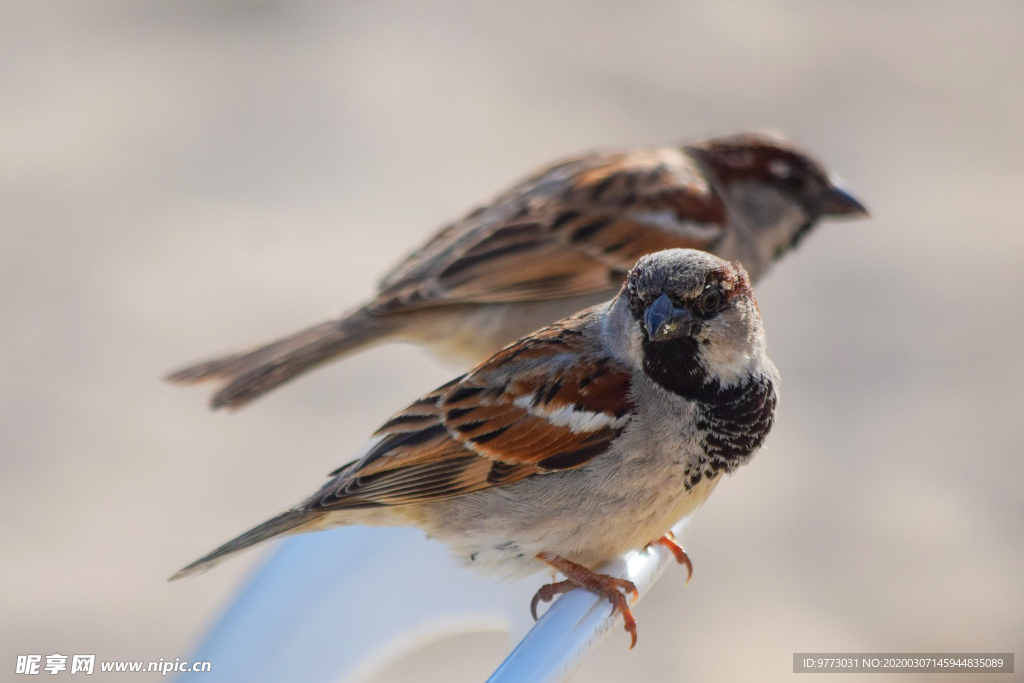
(577, 622)
(340, 605)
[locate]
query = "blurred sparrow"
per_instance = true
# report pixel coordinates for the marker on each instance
(568, 448)
(559, 241)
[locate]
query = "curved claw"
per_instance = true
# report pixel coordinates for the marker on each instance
(533, 605)
(630, 627)
(620, 605)
(547, 593)
(669, 541)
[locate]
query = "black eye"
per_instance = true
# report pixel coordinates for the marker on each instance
(786, 175)
(710, 300)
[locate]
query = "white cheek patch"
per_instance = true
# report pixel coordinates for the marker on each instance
(732, 353)
(729, 367)
(576, 420)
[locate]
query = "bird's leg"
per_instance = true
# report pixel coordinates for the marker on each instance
(578, 576)
(669, 541)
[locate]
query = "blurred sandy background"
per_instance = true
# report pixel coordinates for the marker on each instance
(180, 178)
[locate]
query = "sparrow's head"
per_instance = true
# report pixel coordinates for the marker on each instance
(780, 189)
(695, 320)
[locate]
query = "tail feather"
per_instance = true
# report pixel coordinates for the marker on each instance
(283, 523)
(250, 374)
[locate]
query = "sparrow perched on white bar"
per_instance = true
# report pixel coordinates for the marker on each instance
(557, 242)
(580, 442)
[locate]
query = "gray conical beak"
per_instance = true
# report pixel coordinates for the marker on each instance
(839, 202)
(664, 321)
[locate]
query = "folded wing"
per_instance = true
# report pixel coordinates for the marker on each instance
(541, 405)
(573, 229)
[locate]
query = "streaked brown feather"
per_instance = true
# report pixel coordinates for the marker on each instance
(573, 229)
(494, 426)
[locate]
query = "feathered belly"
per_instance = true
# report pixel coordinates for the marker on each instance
(500, 532)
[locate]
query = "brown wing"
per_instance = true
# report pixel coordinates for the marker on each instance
(541, 405)
(575, 228)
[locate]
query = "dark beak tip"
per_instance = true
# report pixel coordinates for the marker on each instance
(839, 202)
